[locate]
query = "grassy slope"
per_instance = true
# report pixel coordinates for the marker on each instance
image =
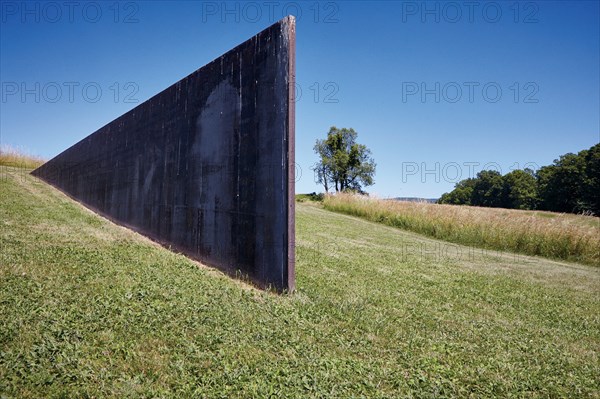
(91, 309)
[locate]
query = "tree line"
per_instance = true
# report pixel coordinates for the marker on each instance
(571, 184)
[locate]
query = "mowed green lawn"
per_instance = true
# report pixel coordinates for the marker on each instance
(90, 309)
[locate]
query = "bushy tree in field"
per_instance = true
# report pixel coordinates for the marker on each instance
(344, 165)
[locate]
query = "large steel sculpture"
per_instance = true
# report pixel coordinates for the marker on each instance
(207, 165)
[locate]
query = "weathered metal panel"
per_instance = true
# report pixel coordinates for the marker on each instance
(207, 165)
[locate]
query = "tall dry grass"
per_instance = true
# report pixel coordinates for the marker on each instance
(554, 235)
(16, 157)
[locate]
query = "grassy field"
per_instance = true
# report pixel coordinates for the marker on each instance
(559, 236)
(10, 156)
(90, 309)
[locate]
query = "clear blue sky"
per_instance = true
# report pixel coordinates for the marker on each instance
(382, 64)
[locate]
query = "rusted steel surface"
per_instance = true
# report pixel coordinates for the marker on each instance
(207, 165)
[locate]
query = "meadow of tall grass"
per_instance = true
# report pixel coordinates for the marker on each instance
(17, 157)
(554, 235)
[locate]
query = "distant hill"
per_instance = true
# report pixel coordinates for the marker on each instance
(415, 199)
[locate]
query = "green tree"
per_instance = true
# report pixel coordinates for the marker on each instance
(488, 188)
(570, 184)
(344, 164)
(520, 190)
(461, 195)
(561, 184)
(591, 189)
